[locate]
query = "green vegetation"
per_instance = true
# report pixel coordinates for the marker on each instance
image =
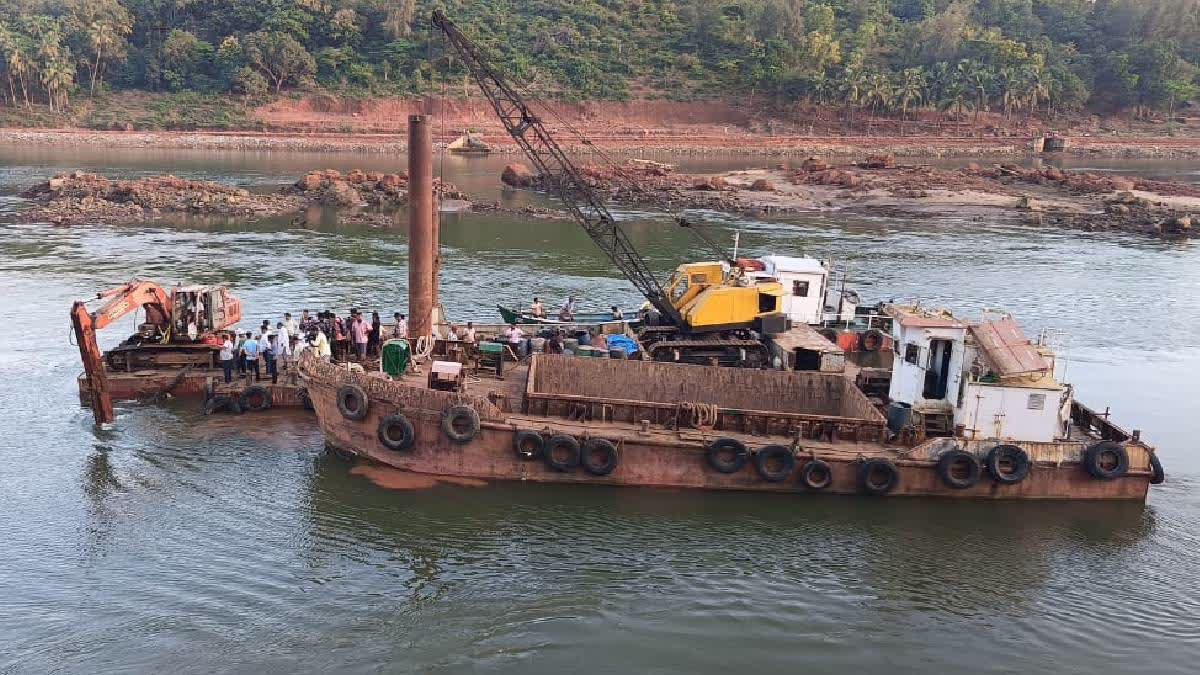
(882, 56)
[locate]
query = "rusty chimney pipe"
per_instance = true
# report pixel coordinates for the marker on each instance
(420, 227)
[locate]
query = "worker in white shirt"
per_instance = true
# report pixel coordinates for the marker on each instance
(400, 327)
(567, 312)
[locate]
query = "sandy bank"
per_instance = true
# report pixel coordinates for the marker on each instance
(701, 140)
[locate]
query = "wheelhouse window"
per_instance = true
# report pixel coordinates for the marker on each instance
(800, 289)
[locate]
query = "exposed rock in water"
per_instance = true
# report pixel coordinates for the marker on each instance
(518, 175)
(77, 197)
(762, 185)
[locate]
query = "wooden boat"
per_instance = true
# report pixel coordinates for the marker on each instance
(561, 419)
(584, 319)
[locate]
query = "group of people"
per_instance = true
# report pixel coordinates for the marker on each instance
(251, 352)
(566, 313)
(354, 337)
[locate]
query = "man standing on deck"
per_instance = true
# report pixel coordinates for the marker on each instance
(250, 349)
(399, 327)
(516, 340)
(238, 354)
(360, 331)
(308, 322)
(320, 343)
(283, 347)
(270, 355)
(536, 310)
(227, 357)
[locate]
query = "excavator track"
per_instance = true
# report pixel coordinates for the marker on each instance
(737, 353)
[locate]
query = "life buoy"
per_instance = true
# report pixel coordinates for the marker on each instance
(774, 463)
(727, 455)
(529, 444)
(562, 452)
(871, 340)
(460, 423)
(1157, 475)
(255, 398)
(959, 469)
(599, 456)
(352, 402)
(816, 475)
(1106, 460)
(1007, 464)
(396, 432)
(877, 476)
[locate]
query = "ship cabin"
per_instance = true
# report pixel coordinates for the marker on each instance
(1009, 389)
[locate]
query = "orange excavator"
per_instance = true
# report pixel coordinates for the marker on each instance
(179, 331)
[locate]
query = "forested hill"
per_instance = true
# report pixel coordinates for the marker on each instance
(889, 56)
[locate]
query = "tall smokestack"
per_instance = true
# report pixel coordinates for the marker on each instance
(420, 227)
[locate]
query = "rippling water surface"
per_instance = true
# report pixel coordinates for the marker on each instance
(199, 544)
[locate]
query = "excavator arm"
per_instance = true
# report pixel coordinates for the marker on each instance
(119, 301)
(557, 170)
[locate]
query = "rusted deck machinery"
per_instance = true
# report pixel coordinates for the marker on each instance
(569, 419)
(177, 332)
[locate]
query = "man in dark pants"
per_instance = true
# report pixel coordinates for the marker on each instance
(227, 358)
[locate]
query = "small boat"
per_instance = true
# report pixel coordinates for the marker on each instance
(581, 319)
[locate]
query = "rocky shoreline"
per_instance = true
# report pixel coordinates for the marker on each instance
(683, 143)
(879, 184)
(357, 198)
(876, 184)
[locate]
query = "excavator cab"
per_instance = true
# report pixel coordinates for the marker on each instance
(210, 308)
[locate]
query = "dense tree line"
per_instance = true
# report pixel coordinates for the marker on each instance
(885, 56)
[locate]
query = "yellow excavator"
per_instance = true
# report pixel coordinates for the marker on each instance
(707, 312)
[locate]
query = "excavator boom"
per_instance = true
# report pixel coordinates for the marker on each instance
(557, 170)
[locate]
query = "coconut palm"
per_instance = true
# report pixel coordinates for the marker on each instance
(879, 91)
(911, 89)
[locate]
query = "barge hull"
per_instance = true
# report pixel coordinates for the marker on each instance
(667, 459)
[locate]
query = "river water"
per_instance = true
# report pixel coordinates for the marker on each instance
(200, 544)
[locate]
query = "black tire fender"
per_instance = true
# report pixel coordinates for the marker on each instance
(959, 469)
(1017, 460)
(562, 452)
(352, 402)
(460, 423)
(1106, 460)
(216, 404)
(871, 340)
(396, 432)
(816, 475)
(529, 444)
(255, 398)
(782, 453)
(717, 449)
(599, 456)
(1158, 476)
(877, 476)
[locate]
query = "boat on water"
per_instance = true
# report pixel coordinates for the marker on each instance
(973, 411)
(584, 319)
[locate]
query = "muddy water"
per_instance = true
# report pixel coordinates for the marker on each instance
(197, 544)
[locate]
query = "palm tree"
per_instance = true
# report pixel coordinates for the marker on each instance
(1035, 84)
(1006, 86)
(852, 83)
(878, 93)
(911, 89)
(979, 79)
(102, 36)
